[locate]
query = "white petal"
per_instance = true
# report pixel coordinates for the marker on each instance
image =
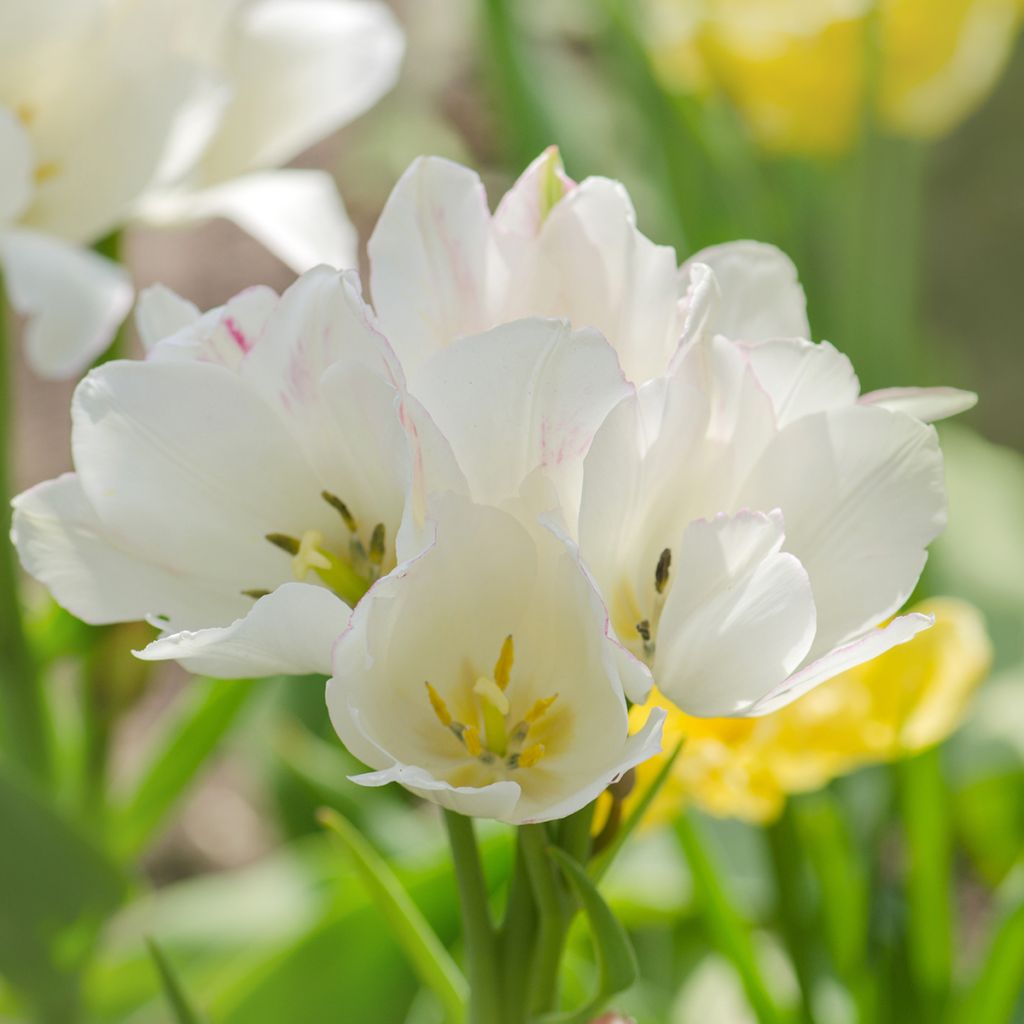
(803, 378)
(300, 69)
(864, 648)
(160, 312)
(925, 404)
(289, 631)
(738, 618)
(595, 268)
(432, 257)
(97, 576)
(761, 297)
(863, 494)
(17, 163)
(297, 215)
(525, 395)
(188, 464)
(73, 298)
(524, 208)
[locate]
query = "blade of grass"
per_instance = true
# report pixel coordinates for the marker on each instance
(424, 950)
(727, 929)
(181, 1007)
(209, 712)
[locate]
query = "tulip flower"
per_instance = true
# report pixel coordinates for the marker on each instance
(800, 73)
(169, 113)
(908, 699)
(480, 675)
(243, 486)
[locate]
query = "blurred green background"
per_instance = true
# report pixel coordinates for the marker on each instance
(913, 257)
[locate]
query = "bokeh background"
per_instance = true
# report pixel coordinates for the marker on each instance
(253, 905)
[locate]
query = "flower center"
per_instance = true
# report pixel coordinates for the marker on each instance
(493, 738)
(349, 575)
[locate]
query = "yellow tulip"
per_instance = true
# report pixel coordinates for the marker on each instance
(910, 698)
(800, 71)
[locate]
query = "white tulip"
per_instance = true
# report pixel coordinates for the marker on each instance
(243, 486)
(480, 675)
(116, 109)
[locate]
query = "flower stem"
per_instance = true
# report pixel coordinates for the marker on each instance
(24, 729)
(554, 917)
(485, 996)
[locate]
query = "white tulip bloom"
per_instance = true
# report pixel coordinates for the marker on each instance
(480, 675)
(751, 522)
(443, 266)
(116, 109)
(243, 486)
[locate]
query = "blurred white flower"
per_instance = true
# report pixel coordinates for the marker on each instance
(243, 486)
(480, 675)
(111, 110)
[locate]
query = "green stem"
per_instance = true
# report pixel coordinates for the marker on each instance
(794, 916)
(555, 917)
(729, 932)
(485, 1003)
(518, 933)
(928, 831)
(25, 732)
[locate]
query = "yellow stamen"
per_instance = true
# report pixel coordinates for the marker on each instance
(495, 708)
(471, 737)
(439, 706)
(531, 755)
(503, 666)
(309, 556)
(539, 708)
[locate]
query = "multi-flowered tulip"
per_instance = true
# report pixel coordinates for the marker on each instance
(111, 111)
(242, 486)
(481, 676)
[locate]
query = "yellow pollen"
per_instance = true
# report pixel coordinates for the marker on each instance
(46, 170)
(439, 706)
(531, 755)
(471, 737)
(539, 708)
(503, 666)
(309, 556)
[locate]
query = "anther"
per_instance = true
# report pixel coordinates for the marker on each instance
(255, 593)
(376, 552)
(285, 542)
(539, 708)
(503, 666)
(341, 508)
(661, 570)
(471, 737)
(439, 706)
(531, 755)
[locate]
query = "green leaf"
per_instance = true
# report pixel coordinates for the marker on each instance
(418, 940)
(603, 861)
(616, 961)
(56, 889)
(181, 1008)
(209, 712)
(996, 990)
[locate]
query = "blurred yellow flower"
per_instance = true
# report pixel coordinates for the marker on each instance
(798, 70)
(910, 698)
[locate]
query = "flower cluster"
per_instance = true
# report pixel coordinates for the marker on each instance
(121, 110)
(545, 469)
(801, 73)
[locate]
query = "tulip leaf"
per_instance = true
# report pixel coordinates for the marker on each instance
(603, 861)
(616, 961)
(210, 710)
(56, 889)
(424, 950)
(181, 1008)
